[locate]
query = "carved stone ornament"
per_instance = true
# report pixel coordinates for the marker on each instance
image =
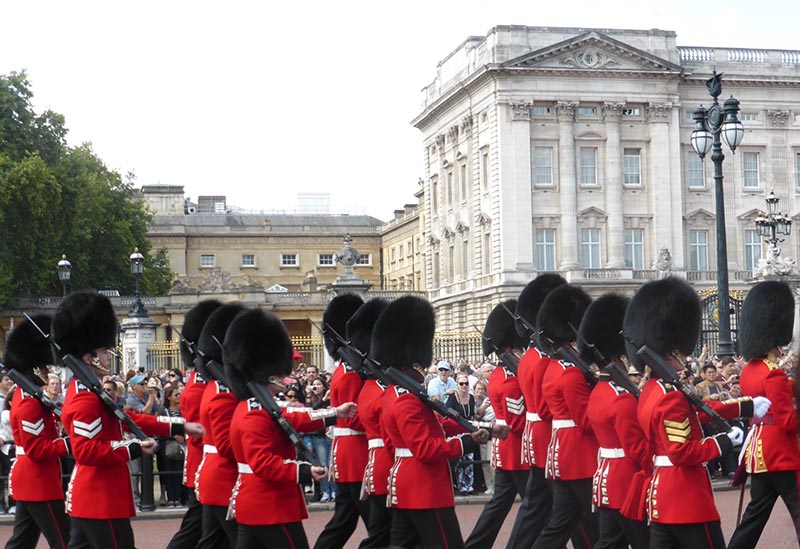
(216, 281)
(612, 111)
(483, 219)
(778, 117)
(659, 112)
(774, 265)
(461, 228)
(447, 234)
(566, 110)
(452, 133)
(432, 241)
(440, 144)
(589, 58)
(520, 110)
(466, 125)
(182, 285)
(664, 262)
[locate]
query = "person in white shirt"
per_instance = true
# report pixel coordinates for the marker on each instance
(442, 386)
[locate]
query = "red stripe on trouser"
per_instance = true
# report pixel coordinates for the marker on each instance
(55, 522)
(585, 536)
(285, 531)
(708, 535)
(441, 528)
(113, 535)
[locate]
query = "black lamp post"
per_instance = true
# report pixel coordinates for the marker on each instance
(64, 273)
(137, 268)
(772, 224)
(714, 125)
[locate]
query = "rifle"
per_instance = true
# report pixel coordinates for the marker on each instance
(32, 389)
(85, 376)
(357, 359)
(618, 374)
(508, 359)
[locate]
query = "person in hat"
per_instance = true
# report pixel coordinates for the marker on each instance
(420, 490)
(664, 315)
(267, 500)
(624, 453)
(191, 526)
(349, 450)
(511, 474)
(100, 495)
(35, 479)
(771, 453)
(572, 453)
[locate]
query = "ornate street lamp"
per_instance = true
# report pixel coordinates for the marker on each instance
(714, 125)
(137, 268)
(64, 273)
(772, 224)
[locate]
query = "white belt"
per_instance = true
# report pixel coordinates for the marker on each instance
(209, 449)
(532, 416)
(563, 423)
(244, 469)
(662, 461)
(375, 443)
(500, 422)
(612, 453)
(402, 453)
(20, 451)
(346, 432)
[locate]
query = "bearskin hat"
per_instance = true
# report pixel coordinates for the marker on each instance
(560, 316)
(664, 315)
(214, 331)
(360, 325)
(192, 326)
(256, 347)
(403, 334)
(532, 297)
(83, 322)
(339, 311)
(767, 319)
(26, 347)
(601, 328)
(500, 332)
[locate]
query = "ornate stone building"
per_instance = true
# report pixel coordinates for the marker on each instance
(567, 149)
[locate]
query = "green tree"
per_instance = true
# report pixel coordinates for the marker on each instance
(157, 276)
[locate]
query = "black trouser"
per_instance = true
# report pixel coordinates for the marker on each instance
(276, 536)
(191, 528)
(34, 517)
(346, 511)
(427, 528)
(533, 512)
(379, 527)
(701, 535)
(572, 510)
(218, 532)
(507, 484)
(101, 534)
(764, 491)
(617, 531)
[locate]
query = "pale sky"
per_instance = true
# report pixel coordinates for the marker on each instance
(261, 100)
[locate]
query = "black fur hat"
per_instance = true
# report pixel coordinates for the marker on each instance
(664, 315)
(84, 321)
(256, 347)
(360, 325)
(338, 312)
(530, 300)
(560, 316)
(403, 334)
(27, 348)
(193, 325)
(601, 328)
(767, 319)
(214, 330)
(500, 331)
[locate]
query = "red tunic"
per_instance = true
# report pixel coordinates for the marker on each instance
(542, 430)
(267, 490)
(509, 408)
(349, 451)
(772, 442)
(379, 461)
(36, 473)
(190, 410)
(624, 450)
(572, 453)
(532, 361)
(217, 472)
(100, 487)
(420, 477)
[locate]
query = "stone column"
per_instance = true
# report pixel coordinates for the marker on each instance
(659, 116)
(138, 334)
(612, 113)
(567, 185)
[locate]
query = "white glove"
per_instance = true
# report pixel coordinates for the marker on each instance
(761, 406)
(736, 436)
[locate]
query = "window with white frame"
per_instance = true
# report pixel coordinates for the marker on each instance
(587, 111)
(634, 249)
(451, 262)
(632, 167)
(698, 250)
(752, 249)
(463, 182)
(588, 159)
(487, 252)
(364, 259)
(696, 171)
(207, 261)
(325, 260)
(248, 260)
(434, 195)
(748, 117)
(450, 188)
(543, 166)
(485, 169)
(401, 256)
(538, 110)
(290, 260)
(590, 248)
(465, 258)
(546, 249)
(631, 112)
(750, 170)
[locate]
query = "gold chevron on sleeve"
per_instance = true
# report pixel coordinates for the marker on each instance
(678, 431)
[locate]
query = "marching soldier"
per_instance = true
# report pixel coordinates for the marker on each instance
(35, 479)
(771, 453)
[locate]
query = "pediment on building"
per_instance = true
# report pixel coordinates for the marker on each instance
(592, 212)
(751, 214)
(461, 228)
(483, 219)
(700, 214)
(593, 51)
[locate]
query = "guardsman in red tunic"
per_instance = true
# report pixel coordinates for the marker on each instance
(349, 450)
(35, 479)
(538, 500)
(572, 453)
(420, 481)
(267, 500)
(100, 495)
(624, 450)
(511, 474)
(771, 453)
(191, 527)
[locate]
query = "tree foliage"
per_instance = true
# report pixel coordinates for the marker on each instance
(56, 199)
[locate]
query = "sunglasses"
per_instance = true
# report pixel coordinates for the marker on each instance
(463, 383)
(172, 375)
(291, 396)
